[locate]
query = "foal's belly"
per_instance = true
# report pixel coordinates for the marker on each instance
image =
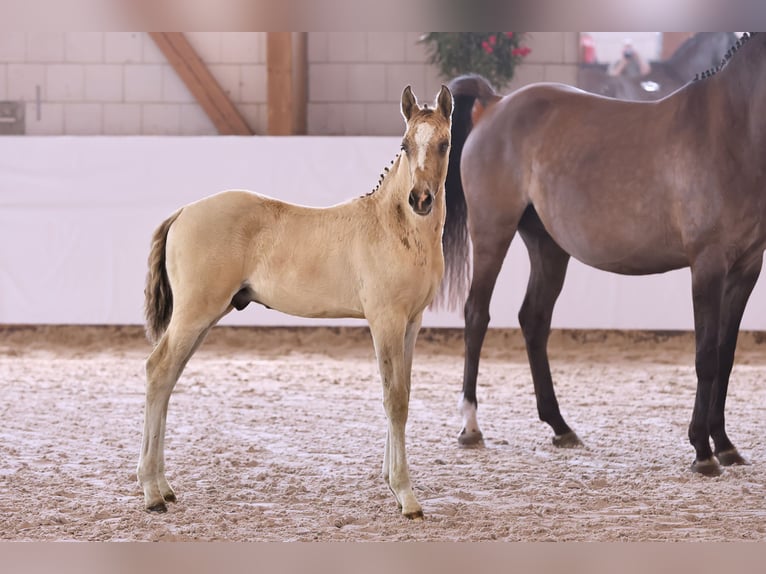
(307, 297)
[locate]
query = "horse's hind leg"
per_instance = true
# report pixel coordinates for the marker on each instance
(548, 267)
(490, 245)
(737, 289)
(163, 368)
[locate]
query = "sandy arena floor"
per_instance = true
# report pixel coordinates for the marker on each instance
(277, 435)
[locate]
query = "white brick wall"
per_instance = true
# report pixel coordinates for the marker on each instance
(23, 80)
(13, 47)
(356, 78)
(83, 119)
(3, 81)
(84, 47)
(122, 119)
(121, 83)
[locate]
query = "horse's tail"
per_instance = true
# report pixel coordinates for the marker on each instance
(466, 92)
(158, 302)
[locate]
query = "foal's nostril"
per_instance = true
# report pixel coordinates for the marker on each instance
(421, 202)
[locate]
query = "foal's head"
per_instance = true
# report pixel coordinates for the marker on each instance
(426, 145)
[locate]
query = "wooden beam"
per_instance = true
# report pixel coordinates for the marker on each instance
(201, 83)
(287, 83)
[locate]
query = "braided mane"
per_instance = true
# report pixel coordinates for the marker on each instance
(730, 52)
(386, 171)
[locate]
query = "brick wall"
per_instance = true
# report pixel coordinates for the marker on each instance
(356, 79)
(120, 83)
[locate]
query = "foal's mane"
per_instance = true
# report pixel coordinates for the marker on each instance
(381, 179)
(731, 51)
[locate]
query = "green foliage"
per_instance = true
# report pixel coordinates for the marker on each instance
(493, 55)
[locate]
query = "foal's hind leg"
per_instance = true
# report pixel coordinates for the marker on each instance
(548, 267)
(490, 245)
(163, 368)
(737, 289)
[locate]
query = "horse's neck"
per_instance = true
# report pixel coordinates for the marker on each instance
(743, 79)
(395, 180)
(737, 95)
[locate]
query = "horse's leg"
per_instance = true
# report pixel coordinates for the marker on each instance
(490, 245)
(548, 267)
(390, 333)
(708, 279)
(738, 286)
(410, 336)
(163, 368)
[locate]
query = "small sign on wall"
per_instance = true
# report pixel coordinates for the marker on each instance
(12, 118)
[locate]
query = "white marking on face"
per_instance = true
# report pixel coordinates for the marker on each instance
(423, 135)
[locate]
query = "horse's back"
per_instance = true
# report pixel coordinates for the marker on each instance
(583, 161)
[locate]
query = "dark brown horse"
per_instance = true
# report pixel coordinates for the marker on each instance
(702, 51)
(628, 187)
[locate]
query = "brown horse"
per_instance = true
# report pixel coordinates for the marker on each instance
(702, 51)
(377, 257)
(628, 187)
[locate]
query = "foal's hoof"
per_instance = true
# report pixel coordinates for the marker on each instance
(731, 457)
(159, 508)
(470, 438)
(709, 467)
(417, 515)
(567, 440)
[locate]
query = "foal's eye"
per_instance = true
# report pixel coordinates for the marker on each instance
(443, 147)
(405, 147)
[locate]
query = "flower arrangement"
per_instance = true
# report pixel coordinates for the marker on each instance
(493, 55)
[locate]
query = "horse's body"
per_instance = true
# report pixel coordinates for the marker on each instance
(702, 51)
(628, 187)
(377, 257)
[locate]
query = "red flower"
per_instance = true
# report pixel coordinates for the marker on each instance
(492, 40)
(487, 48)
(521, 51)
(509, 34)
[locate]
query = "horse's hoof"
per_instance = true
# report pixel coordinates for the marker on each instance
(470, 438)
(731, 457)
(567, 440)
(158, 508)
(709, 467)
(417, 515)
(170, 497)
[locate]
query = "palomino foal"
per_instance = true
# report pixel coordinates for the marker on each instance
(377, 257)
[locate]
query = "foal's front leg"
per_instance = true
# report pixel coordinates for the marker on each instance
(394, 341)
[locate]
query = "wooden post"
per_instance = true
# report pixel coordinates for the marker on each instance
(287, 85)
(201, 83)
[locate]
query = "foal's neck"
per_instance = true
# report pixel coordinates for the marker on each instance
(393, 179)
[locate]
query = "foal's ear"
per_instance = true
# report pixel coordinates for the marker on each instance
(444, 101)
(409, 103)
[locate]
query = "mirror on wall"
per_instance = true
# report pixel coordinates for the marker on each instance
(647, 65)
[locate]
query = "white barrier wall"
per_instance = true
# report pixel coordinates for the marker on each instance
(77, 213)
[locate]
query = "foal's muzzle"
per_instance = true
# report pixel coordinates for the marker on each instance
(421, 201)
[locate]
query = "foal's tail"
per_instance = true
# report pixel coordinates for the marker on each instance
(158, 303)
(466, 92)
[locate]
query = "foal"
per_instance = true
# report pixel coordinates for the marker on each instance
(377, 257)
